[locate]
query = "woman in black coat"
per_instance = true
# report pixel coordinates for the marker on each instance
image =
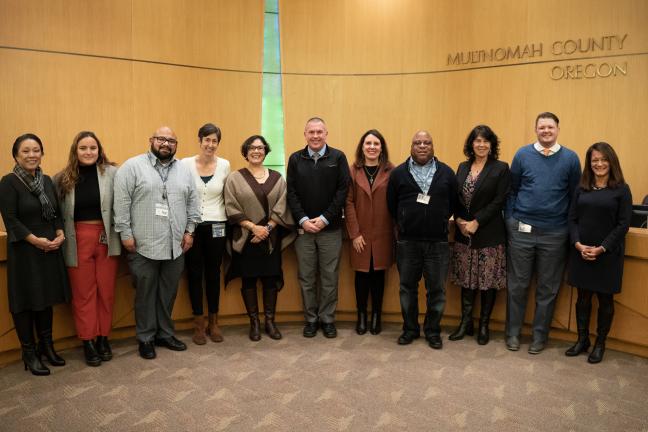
(599, 218)
(479, 254)
(36, 273)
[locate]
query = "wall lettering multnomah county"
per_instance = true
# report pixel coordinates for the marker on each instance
(562, 48)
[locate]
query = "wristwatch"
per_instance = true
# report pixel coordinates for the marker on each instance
(269, 227)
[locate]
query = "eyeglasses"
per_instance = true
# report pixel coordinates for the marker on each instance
(256, 148)
(422, 143)
(161, 140)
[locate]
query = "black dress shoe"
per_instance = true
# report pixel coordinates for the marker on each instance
(329, 330)
(103, 348)
(172, 343)
(407, 338)
(147, 350)
(435, 341)
(90, 353)
(310, 329)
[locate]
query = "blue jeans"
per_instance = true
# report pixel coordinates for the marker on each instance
(547, 249)
(428, 259)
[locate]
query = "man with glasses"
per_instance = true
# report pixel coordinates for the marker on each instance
(156, 212)
(421, 197)
(318, 178)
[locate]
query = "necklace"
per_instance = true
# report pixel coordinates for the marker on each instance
(371, 173)
(265, 173)
(598, 187)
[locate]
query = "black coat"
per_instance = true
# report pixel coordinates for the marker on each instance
(36, 280)
(599, 218)
(418, 221)
(318, 188)
(486, 205)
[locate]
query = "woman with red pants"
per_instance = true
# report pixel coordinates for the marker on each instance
(92, 248)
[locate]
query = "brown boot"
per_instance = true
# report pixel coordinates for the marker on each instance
(199, 337)
(214, 331)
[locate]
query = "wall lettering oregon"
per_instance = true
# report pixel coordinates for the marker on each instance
(559, 49)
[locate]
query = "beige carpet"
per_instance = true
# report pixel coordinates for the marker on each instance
(352, 383)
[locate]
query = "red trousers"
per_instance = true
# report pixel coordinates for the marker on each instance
(92, 282)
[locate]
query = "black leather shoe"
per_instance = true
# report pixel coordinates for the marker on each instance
(147, 350)
(407, 338)
(103, 348)
(172, 343)
(329, 330)
(435, 341)
(310, 329)
(90, 353)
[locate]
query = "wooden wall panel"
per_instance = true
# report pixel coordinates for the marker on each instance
(210, 33)
(96, 27)
(56, 96)
(322, 79)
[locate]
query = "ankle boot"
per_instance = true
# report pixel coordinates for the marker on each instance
(46, 348)
(362, 297)
(269, 308)
(581, 346)
(376, 322)
(605, 315)
(596, 356)
(91, 356)
(214, 331)
(583, 312)
(32, 361)
(252, 307)
(377, 291)
(103, 348)
(361, 323)
(487, 304)
(466, 326)
(199, 337)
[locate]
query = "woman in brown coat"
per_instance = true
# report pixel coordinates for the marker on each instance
(370, 226)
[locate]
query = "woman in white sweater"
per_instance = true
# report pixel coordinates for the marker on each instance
(205, 256)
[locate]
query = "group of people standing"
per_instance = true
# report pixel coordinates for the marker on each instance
(170, 215)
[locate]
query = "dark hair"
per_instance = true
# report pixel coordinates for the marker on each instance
(25, 137)
(486, 133)
(208, 129)
(384, 153)
(547, 115)
(70, 174)
(616, 175)
(245, 147)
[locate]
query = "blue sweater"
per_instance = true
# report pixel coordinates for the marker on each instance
(542, 187)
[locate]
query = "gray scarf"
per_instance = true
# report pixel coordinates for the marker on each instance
(35, 185)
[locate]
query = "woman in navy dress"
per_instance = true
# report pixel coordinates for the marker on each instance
(599, 218)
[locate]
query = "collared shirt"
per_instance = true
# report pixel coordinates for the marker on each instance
(423, 173)
(552, 150)
(320, 151)
(311, 153)
(144, 189)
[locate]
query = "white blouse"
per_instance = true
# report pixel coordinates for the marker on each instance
(212, 205)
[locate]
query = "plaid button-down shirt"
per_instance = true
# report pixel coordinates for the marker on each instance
(142, 183)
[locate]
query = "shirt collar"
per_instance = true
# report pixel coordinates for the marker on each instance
(321, 151)
(429, 163)
(554, 148)
(154, 160)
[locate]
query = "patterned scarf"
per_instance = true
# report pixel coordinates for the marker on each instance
(35, 185)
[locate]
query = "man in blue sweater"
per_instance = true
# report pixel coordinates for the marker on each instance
(421, 197)
(544, 176)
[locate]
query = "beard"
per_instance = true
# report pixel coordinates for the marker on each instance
(163, 157)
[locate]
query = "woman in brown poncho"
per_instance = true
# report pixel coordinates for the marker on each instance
(255, 203)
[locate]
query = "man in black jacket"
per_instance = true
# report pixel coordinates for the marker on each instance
(421, 197)
(318, 178)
